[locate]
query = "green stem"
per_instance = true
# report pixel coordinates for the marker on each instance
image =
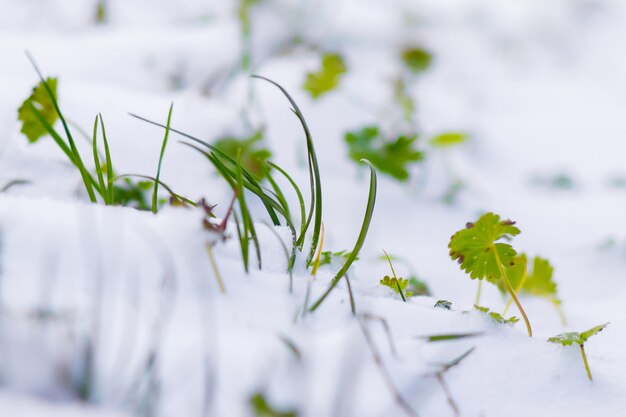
(582, 350)
(478, 292)
(519, 287)
(507, 284)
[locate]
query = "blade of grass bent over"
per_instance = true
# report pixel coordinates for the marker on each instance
(314, 174)
(369, 211)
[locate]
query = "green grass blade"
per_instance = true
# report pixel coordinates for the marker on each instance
(280, 197)
(249, 177)
(53, 133)
(369, 211)
(243, 241)
(298, 194)
(78, 162)
(96, 161)
(230, 176)
(248, 223)
(452, 336)
(108, 161)
(314, 174)
(158, 174)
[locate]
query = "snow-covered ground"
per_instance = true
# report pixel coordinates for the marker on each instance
(538, 85)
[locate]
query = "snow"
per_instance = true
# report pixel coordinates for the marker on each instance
(540, 87)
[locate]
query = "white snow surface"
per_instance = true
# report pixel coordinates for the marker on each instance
(540, 87)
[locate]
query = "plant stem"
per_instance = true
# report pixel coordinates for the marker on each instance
(519, 287)
(582, 350)
(218, 277)
(511, 291)
(478, 291)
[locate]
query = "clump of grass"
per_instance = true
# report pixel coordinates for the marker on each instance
(38, 114)
(369, 211)
(241, 180)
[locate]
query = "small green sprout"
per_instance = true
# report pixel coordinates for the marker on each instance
(496, 316)
(40, 100)
(445, 304)
(480, 253)
(253, 155)
(570, 338)
(261, 408)
(416, 285)
(392, 157)
(398, 284)
(327, 78)
(416, 59)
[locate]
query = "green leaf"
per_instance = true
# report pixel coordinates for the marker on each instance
(391, 157)
(262, 408)
(478, 251)
(449, 139)
(537, 281)
(540, 282)
(32, 128)
(571, 338)
(253, 155)
(496, 316)
(394, 284)
(416, 59)
(327, 78)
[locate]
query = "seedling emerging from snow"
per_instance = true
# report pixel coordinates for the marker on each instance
(479, 253)
(570, 338)
(496, 316)
(327, 78)
(445, 304)
(261, 408)
(398, 284)
(392, 157)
